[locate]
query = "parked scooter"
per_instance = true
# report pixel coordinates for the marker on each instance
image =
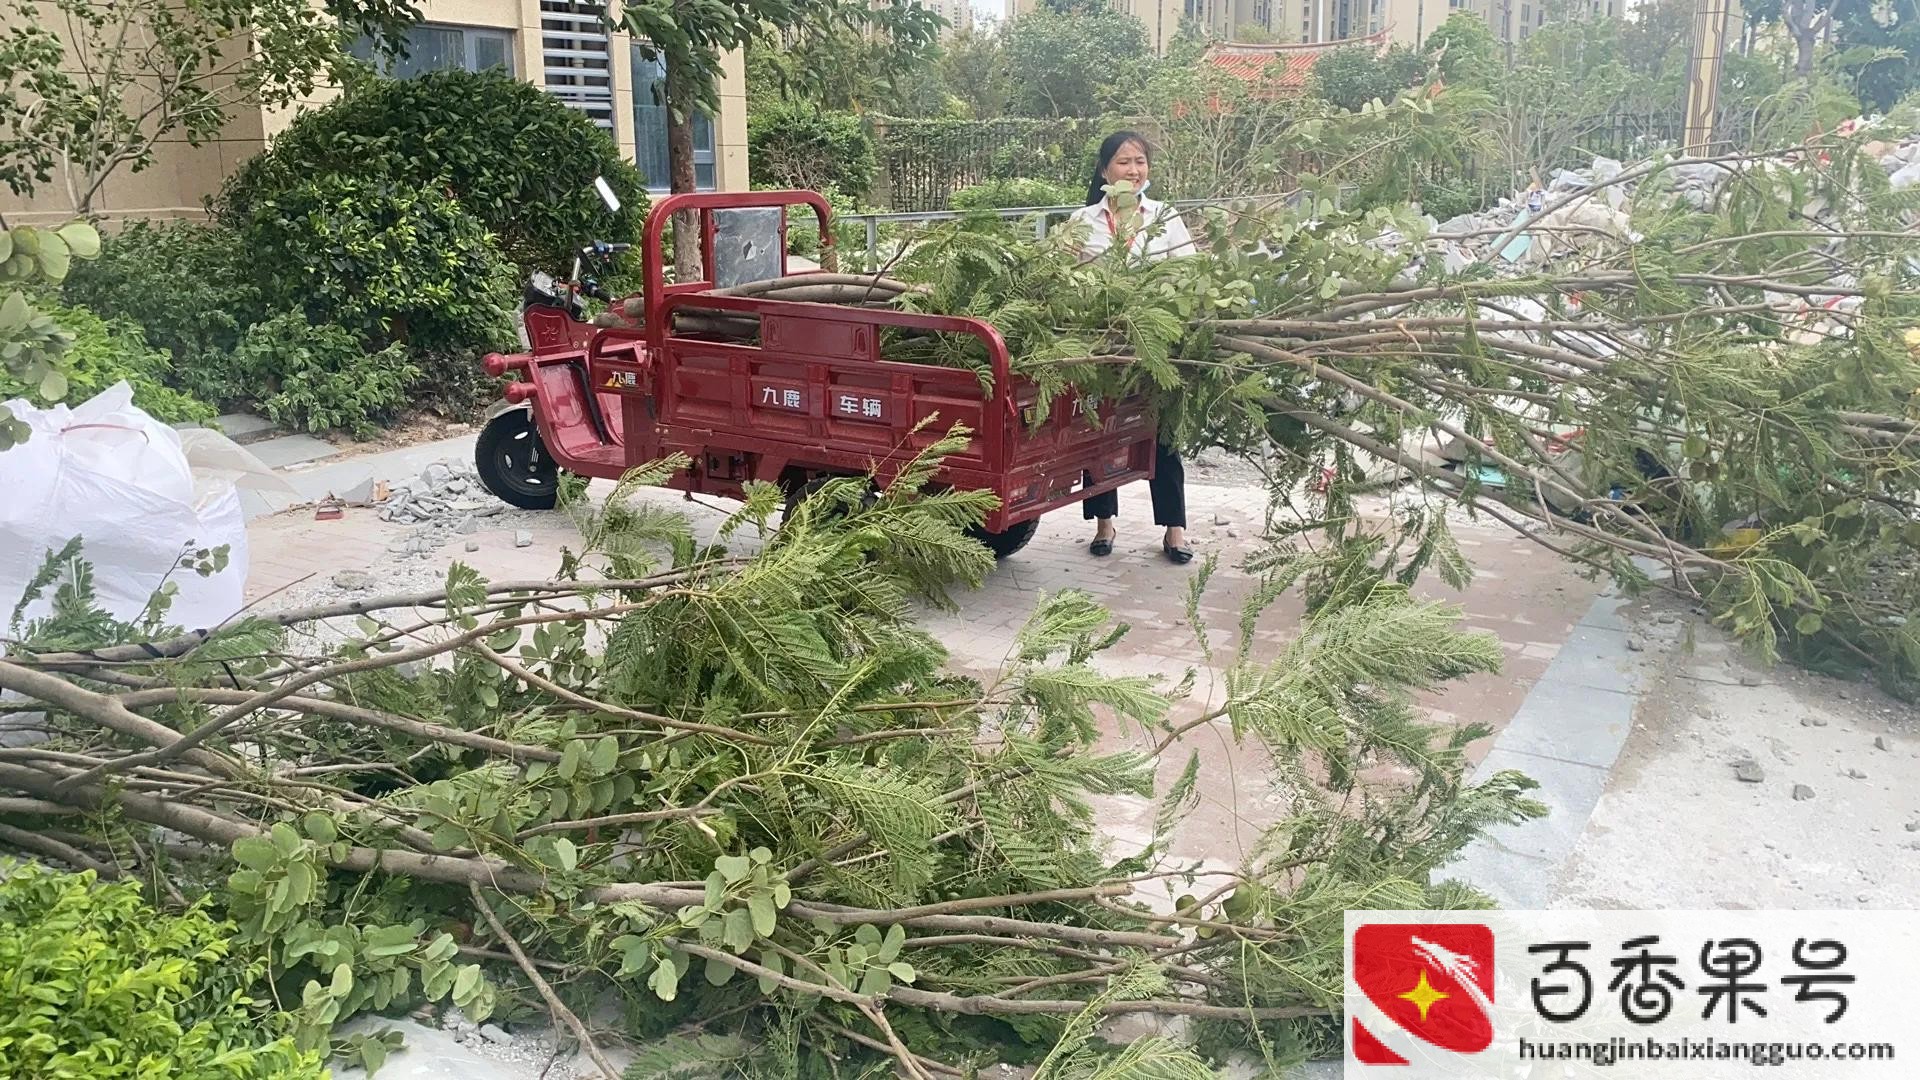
(511, 461)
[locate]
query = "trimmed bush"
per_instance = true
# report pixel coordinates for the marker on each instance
(387, 261)
(792, 145)
(319, 378)
(1014, 194)
(94, 983)
(507, 151)
(183, 283)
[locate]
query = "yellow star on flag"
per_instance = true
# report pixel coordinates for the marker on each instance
(1424, 996)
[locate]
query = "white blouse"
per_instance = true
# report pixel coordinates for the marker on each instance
(1162, 234)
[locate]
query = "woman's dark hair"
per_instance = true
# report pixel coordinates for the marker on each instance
(1097, 183)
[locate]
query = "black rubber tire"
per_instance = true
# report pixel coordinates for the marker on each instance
(513, 463)
(1008, 540)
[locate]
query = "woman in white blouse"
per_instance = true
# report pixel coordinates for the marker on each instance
(1137, 227)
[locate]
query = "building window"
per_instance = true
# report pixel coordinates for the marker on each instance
(1526, 15)
(434, 47)
(650, 128)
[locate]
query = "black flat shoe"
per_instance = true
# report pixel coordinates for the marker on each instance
(1179, 556)
(1101, 546)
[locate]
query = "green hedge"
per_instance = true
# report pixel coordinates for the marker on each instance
(511, 154)
(186, 284)
(1015, 194)
(385, 260)
(791, 145)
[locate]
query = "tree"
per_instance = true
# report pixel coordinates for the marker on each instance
(974, 67)
(692, 36)
(1880, 43)
(1353, 75)
(1465, 49)
(84, 104)
(1080, 64)
(841, 69)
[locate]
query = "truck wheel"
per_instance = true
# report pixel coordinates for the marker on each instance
(1008, 540)
(513, 462)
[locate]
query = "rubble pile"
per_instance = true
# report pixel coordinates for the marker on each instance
(445, 501)
(1531, 229)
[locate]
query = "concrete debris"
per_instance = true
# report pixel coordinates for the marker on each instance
(353, 579)
(445, 501)
(523, 538)
(1580, 208)
(1749, 771)
(1802, 793)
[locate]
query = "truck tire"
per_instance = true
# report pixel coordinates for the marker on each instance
(513, 463)
(1008, 540)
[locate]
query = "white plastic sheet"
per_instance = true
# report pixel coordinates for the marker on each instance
(107, 472)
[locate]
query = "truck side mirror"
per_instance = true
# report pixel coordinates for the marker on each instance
(606, 193)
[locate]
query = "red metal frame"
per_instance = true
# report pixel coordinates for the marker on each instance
(813, 397)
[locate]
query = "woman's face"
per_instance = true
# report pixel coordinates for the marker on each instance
(1129, 166)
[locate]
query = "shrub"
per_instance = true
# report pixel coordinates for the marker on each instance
(183, 283)
(96, 984)
(451, 383)
(1350, 77)
(104, 353)
(388, 261)
(793, 145)
(1012, 194)
(319, 378)
(512, 154)
(1450, 196)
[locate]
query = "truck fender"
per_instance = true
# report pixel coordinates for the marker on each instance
(499, 407)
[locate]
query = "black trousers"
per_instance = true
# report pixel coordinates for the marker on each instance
(1168, 488)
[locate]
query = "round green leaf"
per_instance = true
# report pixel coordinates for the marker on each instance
(81, 238)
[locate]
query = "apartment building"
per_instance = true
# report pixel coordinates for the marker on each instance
(560, 45)
(957, 13)
(1160, 17)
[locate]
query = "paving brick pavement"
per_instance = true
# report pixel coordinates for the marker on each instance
(1524, 595)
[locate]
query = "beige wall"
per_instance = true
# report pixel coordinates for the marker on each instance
(182, 176)
(173, 185)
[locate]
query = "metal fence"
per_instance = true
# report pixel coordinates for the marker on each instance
(923, 162)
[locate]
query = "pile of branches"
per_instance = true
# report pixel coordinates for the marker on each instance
(728, 783)
(1710, 395)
